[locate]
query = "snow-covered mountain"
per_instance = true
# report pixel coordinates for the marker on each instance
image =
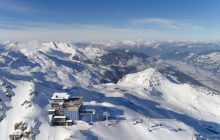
(202, 65)
(183, 96)
(207, 60)
(152, 90)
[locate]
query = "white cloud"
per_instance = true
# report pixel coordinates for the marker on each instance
(167, 23)
(59, 32)
(16, 7)
(76, 33)
(158, 21)
(133, 62)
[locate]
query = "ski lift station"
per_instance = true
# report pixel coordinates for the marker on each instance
(64, 109)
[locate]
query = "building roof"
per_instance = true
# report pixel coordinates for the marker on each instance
(62, 96)
(74, 100)
(59, 117)
(51, 109)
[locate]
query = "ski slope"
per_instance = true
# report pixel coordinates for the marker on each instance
(142, 105)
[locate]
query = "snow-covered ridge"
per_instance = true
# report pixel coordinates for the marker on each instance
(145, 78)
(208, 61)
(144, 104)
(212, 59)
(182, 96)
(52, 62)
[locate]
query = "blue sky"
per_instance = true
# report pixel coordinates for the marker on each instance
(91, 20)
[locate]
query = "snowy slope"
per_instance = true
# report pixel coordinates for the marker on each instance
(181, 95)
(203, 66)
(144, 104)
(192, 101)
(31, 117)
(209, 61)
(46, 62)
(144, 78)
(27, 114)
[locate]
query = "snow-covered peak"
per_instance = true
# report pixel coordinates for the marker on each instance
(212, 57)
(93, 52)
(33, 46)
(170, 93)
(156, 99)
(145, 78)
(64, 47)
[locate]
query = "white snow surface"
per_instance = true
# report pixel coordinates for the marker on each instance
(142, 105)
